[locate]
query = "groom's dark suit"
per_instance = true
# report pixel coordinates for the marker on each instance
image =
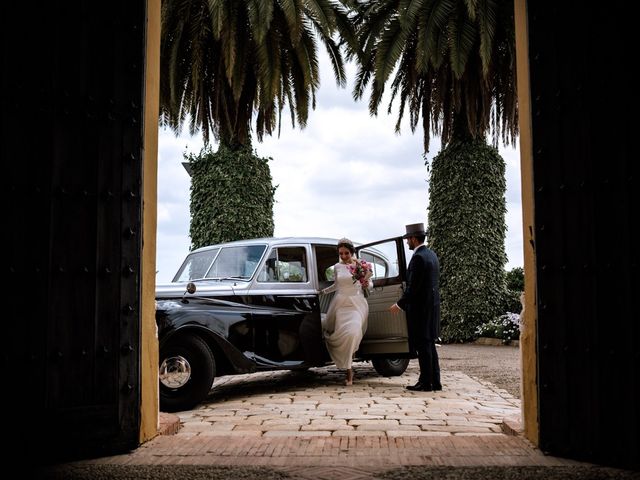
(421, 302)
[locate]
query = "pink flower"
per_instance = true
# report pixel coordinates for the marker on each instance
(361, 271)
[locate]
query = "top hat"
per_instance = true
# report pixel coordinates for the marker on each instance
(415, 230)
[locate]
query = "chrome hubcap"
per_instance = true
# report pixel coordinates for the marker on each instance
(175, 372)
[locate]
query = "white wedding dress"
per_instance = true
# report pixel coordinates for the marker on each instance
(346, 319)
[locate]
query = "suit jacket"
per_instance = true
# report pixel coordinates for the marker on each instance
(421, 297)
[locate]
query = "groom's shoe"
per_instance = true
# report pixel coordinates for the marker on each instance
(419, 387)
(437, 387)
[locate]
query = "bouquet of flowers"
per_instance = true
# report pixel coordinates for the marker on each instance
(361, 271)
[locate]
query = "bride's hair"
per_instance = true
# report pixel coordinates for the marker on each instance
(348, 244)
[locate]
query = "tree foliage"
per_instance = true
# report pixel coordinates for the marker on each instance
(515, 279)
(224, 63)
(451, 64)
(467, 230)
(514, 283)
(231, 196)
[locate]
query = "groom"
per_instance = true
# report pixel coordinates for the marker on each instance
(421, 302)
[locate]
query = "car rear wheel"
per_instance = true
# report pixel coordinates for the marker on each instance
(187, 371)
(390, 367)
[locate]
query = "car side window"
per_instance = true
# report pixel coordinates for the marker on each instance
(326, 258)
(380, 267)
(383, 258)
(285, 264)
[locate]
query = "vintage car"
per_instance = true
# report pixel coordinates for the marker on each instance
(254, 305)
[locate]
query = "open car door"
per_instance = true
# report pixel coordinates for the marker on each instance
(387, 334)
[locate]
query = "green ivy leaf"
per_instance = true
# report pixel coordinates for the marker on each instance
(232, 196)
(466, 228)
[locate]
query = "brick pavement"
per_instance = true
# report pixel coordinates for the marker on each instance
(281, 404)
(312, 426)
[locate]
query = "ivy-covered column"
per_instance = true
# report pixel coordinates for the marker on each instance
(231, 196)
(466, 229)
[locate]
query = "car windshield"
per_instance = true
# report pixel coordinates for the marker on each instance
(236, 262)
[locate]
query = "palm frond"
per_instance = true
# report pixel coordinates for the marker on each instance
(292, 13)
(323, 15)
(260, 15)
(388, 50)
(487, 20)
(337, 64)
(228, 63)
(455, 65)
(462, 35)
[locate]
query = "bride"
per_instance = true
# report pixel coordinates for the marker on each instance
(346, 319)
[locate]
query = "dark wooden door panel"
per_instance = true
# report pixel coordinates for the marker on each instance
(586, 200)
(72, 129)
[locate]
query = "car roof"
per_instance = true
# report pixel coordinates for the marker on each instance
(275, 241)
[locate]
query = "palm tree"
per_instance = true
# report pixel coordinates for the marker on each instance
(231, 66)
(451, 64)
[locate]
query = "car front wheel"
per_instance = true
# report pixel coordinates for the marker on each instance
(187, 371)
(390, 367)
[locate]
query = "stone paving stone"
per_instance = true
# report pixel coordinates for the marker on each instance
(377, 423)
(359, 417)
(313, 414)
(419, 422)
(197, 427)
(465, 405)
(280, 419)
(222, 426)
(286, 421)
(241, 421)
(222, 418)
(332, 427)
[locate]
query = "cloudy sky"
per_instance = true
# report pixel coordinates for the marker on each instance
(345, 175)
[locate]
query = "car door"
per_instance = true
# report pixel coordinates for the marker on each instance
(386, 333)
(286, 327)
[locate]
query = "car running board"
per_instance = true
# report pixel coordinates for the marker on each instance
(265, 362)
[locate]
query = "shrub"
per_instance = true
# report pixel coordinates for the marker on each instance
(506, 327)
(511, 301)
(467, 230)
(232, 196)
(515, 279)
(514, 283)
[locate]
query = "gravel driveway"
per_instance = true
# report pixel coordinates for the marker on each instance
(498, 364)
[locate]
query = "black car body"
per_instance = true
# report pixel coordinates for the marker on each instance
(253, 305)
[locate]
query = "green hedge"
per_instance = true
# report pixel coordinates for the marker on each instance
(515, 279)
(466, 229)
(231, 196)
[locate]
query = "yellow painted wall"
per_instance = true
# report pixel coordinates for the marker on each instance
(529, 393)
(149, 339)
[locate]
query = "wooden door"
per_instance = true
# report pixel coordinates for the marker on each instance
(586, 199)
(72, 129)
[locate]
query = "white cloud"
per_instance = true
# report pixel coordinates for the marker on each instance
(345, 174)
